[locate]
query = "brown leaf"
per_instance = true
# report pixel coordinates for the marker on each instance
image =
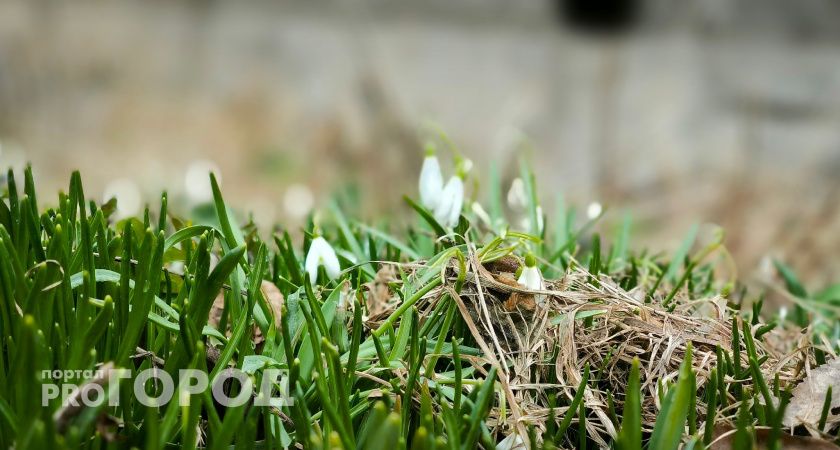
(216, 310)
(74, 404)
(379, 300)
(505, 264)
(808, 397)
(516, 299)
(275, 301)
(762, 436)
(274, 298)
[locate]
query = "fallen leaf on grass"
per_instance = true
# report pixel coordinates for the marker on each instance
(809, 396)
(272, 296)
(762, 437)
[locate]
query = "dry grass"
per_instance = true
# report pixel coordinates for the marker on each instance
(540, 352)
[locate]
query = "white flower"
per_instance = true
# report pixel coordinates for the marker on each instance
(321, 253)
(516, 196)
(511, 442)
(531, 278)
(431, 180)
(594, 210)
(448, 209)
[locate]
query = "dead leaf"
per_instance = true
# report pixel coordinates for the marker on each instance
(762, 436)
(808, 397)
(505, 264)
(73, 405)
(379, 300)
(274, 298)
(216, 310)
(516, 299)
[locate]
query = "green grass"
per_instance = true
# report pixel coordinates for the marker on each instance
(78, 290)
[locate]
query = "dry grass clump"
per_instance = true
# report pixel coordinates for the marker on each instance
(541, 342)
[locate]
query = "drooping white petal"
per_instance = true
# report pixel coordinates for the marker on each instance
(594, 210)
(516, 196)
(330, 261)
(457, 193)
(441, 212)
(511, 442)
(451, 202)
(431, 182)
(312, 262)
(321, 253)
(531, 278)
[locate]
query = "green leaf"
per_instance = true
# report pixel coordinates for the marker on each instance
(573, 406)
(794, 286)
(630, 435)
(829, 294)
(233, 235)
(427, 216)
(670, 423)
(187, 233)
(679, 256)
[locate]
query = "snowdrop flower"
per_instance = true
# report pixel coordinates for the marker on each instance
(451, 200)
(431, 180)
(511, 442)
(321, 253)
(516, 197)
(531, 278)
(594, 210)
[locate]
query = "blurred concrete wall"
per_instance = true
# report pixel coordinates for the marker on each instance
(715, 111)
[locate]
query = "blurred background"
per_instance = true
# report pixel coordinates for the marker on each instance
(700, 111)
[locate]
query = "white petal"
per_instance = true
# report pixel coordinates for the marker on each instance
(451, 201)
(457, 201)
(311, 264)
(441, 212)
(516, 196)
(511, 442)
(431, 182)
(330, 261)
(594, 210)
(321, 252)
(531, 278)
(523, 278)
